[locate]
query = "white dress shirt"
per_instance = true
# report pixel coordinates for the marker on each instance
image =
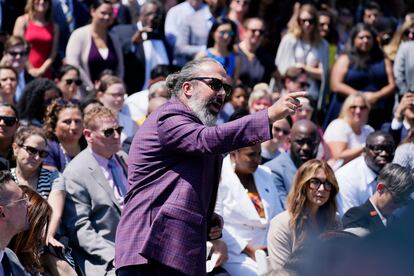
(356, 184)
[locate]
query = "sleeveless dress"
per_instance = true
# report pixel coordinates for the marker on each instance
(97, 63)
(372, 78)
(228, 62)
(40, 39)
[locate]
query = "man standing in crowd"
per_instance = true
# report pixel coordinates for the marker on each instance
(394, 187)
(303, 147)
(13, 219)
(144, 46)
(357, 179)
(174, 169)
(96, 182)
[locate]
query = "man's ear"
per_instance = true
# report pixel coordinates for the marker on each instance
(187, 89)
(88, 134)
(380, 187)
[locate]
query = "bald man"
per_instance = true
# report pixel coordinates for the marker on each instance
(304, 142)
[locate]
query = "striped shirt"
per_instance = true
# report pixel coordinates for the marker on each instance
(44, 182)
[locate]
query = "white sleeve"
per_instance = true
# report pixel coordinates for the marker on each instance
(337, 131)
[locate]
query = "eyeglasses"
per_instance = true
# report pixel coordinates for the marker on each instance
(304, 85)
(17, 53)
(377, 149)
(215, 84)
(108, 132)
(229, 33)
(8, 120)
(77, 82)
(34, 151)
(24, 199)
(361, 107)
(311, 21)
(315, 183)
(257, 31)
(279, 130)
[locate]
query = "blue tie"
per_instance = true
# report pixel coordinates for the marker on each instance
(117, 177)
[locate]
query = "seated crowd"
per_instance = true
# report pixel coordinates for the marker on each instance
(79, 78)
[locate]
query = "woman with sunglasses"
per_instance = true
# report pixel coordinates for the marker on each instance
(68, 81)
(362, 67)
(304, 48)
(63, 129)
(280, 133)
(220, 46)
(9, 122)
(346, 135)
(311, 210)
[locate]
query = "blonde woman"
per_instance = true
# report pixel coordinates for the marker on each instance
(37, 27)
(346, 135)
(404, 33)
(304, 48)
(311, 210)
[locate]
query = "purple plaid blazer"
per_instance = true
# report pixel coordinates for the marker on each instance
(173, 174)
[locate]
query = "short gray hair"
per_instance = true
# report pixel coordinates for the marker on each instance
(397, 179)
(176, 80)
(5, 177)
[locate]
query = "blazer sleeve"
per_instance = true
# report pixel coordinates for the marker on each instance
(399, 69)
(279, 241)
(77, 219)
(74, 49)
(183, 133)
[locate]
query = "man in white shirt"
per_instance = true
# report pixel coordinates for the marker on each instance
(394, 187)
(13, 219)
(357, 179)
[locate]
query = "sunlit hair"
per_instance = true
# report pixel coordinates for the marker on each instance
(297, 201)
(94, 116)
(29, 9)
(257, 95)
(248, 20)
(52, 115)
(399, 36)
(106, 81)
(349, 101)
(25, 132)
(28, 244)
(296, 29)
(14, 41)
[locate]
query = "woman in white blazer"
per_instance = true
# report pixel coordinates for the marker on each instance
(247, 200)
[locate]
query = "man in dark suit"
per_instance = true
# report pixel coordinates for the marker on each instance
(174, 170)
(69, 15)
(394, 187)
(95, 183)
(144, 46)
(13, 219)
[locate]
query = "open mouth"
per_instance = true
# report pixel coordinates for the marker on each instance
(215, 105)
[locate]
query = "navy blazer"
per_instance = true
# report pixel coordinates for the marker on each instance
(364, 216)
(11, 263)
(134, 56)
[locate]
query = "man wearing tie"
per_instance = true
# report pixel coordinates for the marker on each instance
(96, 183)
(13, 219)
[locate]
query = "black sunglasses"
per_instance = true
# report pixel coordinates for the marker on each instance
(17, 53)
(8, 121)
(108, 132)
(377, 149)
(77, 82)
(34, 151)
(315, 183)
(215, 84)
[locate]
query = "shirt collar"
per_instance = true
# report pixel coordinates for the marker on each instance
(383, 219)
(1, 254)
(101, 160)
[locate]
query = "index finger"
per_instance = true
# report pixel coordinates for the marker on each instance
(298, 94)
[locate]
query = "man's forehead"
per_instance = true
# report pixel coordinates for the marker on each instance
(380, 140)
(212, 69)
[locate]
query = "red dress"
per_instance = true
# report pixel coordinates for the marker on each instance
(40, 39)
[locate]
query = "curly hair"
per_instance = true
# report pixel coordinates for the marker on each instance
(28, 244)
(25, 132)
(297, 200)
(52, 115)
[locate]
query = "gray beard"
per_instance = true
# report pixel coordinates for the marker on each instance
(201, 111)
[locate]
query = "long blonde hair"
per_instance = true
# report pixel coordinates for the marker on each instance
(344, 114)
(391, 49)
(297, 200)
(29, 10)
(296, 29)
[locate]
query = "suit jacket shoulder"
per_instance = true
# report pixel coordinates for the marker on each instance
(16, 268)
(364, 216)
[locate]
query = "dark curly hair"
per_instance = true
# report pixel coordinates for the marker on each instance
(52, 115)
(32, 105)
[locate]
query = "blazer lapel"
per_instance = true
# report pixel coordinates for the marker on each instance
(99, 177)
(262, 186)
